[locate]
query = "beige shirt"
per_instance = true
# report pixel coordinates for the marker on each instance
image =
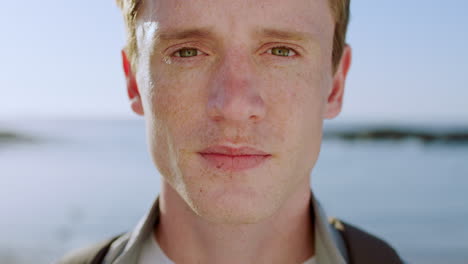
(329, 248)
(152, 253)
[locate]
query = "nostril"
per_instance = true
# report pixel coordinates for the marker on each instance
(217, 118)
(253, 118)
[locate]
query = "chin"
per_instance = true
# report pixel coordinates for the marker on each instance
(232, 203)
(232, 208)
(234, 198)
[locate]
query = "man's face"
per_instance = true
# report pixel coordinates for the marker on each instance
(235, 73)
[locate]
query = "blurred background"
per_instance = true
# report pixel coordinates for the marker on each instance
(74, 167)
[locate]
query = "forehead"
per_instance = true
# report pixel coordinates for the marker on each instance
(310, 16)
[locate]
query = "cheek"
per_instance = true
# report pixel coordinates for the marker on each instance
(296, 108)
(175, 99)
(170, 114)
(295, 95)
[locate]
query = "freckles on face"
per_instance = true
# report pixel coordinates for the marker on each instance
(291, 93)
(196, 102)
(297, 105)
(176, 107)
(295, 92)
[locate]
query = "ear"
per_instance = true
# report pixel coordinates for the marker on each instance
(335, 96)
(132, 87)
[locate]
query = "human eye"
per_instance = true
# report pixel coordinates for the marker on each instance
(281, 51)
(188, 52)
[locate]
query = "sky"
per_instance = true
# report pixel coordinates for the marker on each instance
(61, 59)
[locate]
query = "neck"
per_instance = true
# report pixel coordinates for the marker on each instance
(285, 237)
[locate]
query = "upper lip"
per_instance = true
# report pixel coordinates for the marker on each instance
(225, 150)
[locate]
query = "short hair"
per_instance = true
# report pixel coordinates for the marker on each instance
(339, 9)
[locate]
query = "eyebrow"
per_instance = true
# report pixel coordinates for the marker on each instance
(208, 33)
(284, 34)
(167, 35)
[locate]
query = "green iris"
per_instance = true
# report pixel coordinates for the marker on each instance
(188, 52)
(280, 51)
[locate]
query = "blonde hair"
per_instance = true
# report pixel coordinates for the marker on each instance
(339, 9)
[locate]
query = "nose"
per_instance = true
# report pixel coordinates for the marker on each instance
(234, 92)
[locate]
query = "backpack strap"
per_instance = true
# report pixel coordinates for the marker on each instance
(93, 254)
(364, 248)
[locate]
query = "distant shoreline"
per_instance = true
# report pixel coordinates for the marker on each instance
(15, 137)
(398, 134)
(336, 131)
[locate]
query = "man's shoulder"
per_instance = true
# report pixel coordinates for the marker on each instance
(91, 254)
(363, 247)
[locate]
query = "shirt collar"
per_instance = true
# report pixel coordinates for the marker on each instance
(329, 246)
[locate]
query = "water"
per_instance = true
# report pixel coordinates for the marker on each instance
(88, 180)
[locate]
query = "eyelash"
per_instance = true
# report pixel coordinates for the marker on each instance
(188, 48)
(269, 51)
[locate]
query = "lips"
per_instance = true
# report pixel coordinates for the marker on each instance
(233, 151)
(234, 159)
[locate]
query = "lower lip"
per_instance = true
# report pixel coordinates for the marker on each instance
(234, 163)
